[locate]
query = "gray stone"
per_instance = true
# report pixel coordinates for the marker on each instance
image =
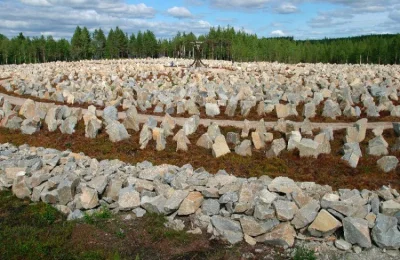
(228, 229)
(283, 185)
(388, 163)
(342, 245)
(285, 210)
(244, 149)
(385, 233)
(252, 227)
(308, 147)
(390, 207)
(89, 198)
(205, 141)
(210, 207)
(116, 131)
(30, 126)
(191, 124)
(356, 232)
(212, 109)
(110, 114)
(131, 120)
(172, 204)
(145, 136)
(277, 146)
(377, 146)
(20, 188)
(153, 204)
(128, 198)
(306, 214)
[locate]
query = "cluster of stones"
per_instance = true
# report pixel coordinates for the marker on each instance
(257, 210)
(65, 119)
(341, 90)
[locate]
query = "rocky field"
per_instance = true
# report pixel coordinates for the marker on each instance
(263, 153)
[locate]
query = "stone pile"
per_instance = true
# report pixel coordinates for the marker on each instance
(257, 210)
(326, 90)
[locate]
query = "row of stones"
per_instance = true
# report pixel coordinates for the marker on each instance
(258, 210)
(369, 89)
(66, 119)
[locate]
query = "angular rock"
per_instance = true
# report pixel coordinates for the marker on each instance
(191, 203)
(356, 232)
(285, 210)
(282, 235)
(116, 131)
(220, 147)
(388, 163)
(227, 228)
(324, 224)
(306, 214)
(386, 233)
(244, 149)
(89, 198)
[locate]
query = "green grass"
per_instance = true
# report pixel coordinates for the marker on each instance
(303, 253)
(102, 214)
(38, 231)
(158, 231)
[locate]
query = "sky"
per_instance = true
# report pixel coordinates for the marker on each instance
(302, 19)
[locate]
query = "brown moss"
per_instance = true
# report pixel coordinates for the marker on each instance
(327, 169)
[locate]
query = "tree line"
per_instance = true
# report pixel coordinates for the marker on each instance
(219, 43)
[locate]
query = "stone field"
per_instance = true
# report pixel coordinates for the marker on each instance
(314, 113)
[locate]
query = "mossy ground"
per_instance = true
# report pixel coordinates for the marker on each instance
(38, 231)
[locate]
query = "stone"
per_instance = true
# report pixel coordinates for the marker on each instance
(153, 204)
(68, 125)
(377, 146)
(308, 148)
(213, 131)
(227, 228)
(356, 232)
(212, 109)
(249, 240)
(128, 198)
(309, 110)
(210, 207)
(388, 163)
(285, 210)
(159, 137)
(191, 203)
(252, 227)
(116, 131)
(324, 145)
(131, 120)
(282, 111)
(277, 146)
(342, 245)
(30, 126)
(172, 204)
(232, 138)
(352, 153)
(283, 185)
(396, 128)
(145, 136)
(378, 131)
(27, 109)
(139, 212)
(257, 140)
(191, 124)
(205, 141)
(306, 214)
(20, 188)
(92, 128)
(110, 114)
(99, 183)
(66, 191)
(282, 235)
(245, 129)
(220, 147)
(89, 198)
(113, 189)
(331, 109)
(385, 233)
(168, 124)
(294, 139)
(390, 207)
(181, 141)
(264, 211)
(324, 224)
(244, 149)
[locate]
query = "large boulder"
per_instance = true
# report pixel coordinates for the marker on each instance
(116, 131)
(324, 224)
(356, 232)
(282, 235)
(385, 233)
(227, 228)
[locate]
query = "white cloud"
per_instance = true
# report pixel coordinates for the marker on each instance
(246, 4)
(179, 12)
(278, 33)
(286, 8)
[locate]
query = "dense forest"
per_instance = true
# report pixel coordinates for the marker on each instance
(219, 43)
